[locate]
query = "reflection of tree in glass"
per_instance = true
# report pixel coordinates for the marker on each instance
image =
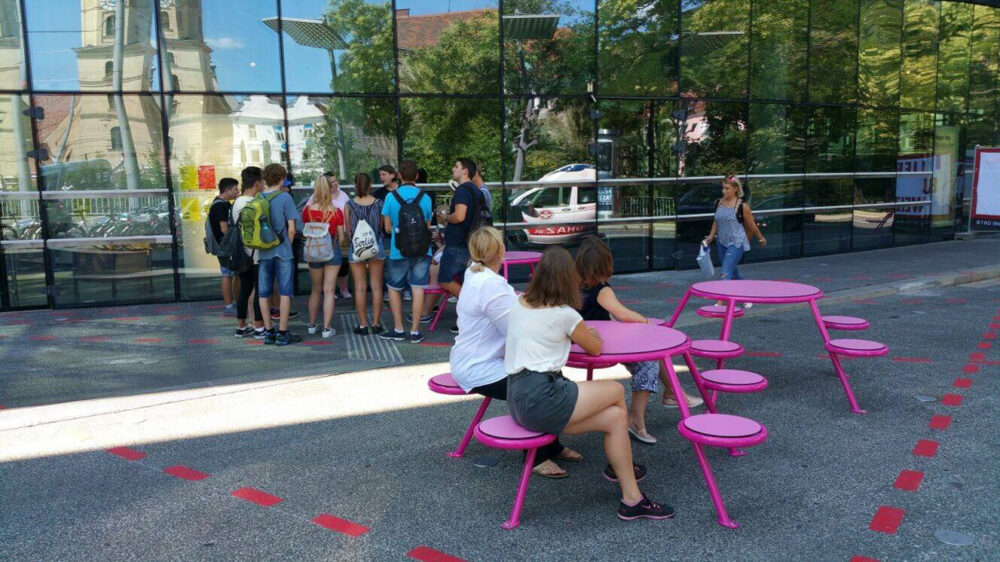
(366, 65)
(638, 47)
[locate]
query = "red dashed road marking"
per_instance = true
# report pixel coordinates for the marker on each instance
(43, 338)
(256, 496)
(995, 326)
(127, 453)
(940, 422)
(977, 356)
(127, 318)
(254, 342)
(962, 383)
(179, 318)
(956, 301)
(763, 354)
(340, 525)
(912, 359)
(887, 520)
(95, 339)
(951, 400)
(912, 301)
(148, 340)
(861, 278)
(990, 336)
(427, 554)
(864, 301)
(203, 342)
(926, 448)
(863, 559)
(984, 345)
(908, 480)
(317, 342)
(435, 344)
(970, 368)
(186, 473)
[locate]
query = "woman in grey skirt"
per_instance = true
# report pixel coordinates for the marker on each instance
(543, 323)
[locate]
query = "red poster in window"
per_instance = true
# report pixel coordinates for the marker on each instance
(206, 177)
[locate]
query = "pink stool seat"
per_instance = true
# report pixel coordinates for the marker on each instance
(845, 323)
(716, 311)
(716, 349)
(506, 429)
(722, 430)
(733, 380)
(857, 348)
(445, 384)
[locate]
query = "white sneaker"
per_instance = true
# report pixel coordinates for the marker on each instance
(327, 332)
(747, 305)
(407, 296)
(311, 329)
(453, 300)
(345, 293)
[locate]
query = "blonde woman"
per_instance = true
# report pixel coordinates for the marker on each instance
(477, 357)
(323, 275)
(733, 225)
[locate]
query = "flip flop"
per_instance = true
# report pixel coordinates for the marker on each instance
(562, 457)
(554, 476)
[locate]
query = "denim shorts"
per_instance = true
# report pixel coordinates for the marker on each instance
(335, 261)
(276, 268)
(412, 271)
(226, 272)
(380, 256)
(453, 264)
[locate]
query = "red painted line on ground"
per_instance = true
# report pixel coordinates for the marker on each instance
(95, 339)
(962, 383)
(856, 558)
(203, 342)
(956, 301)
(912, 301)
(984, 345)
(864, 301)
(340, 525)
(179, 318)
(899, 275)
(148, 340)
(990, 336)
(996, 318)
(912, 359)
(987, 362)
(908, 480)
(861, 277)
(977, 356)
(127, 318)
(428, 554)
(256, 496)
(43, 338)
(970, 368)
(213, 306)
(951, 400)
(994, 326)
(186, 473)
(940, 422)
(19, 323)
(763, 354)
(926, 448)
(254, 342)
(317, 342)
(435, 344)
(887, 520)
(127, 453)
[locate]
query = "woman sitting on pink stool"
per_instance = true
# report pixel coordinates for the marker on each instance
(542, 325)
(477, 357)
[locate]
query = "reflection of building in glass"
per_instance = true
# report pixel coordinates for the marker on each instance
(258, 132)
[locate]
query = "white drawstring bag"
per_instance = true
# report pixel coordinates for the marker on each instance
(319, 243)
(704, 260)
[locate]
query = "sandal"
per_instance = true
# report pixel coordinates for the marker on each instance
(573, 456)
(552, 470)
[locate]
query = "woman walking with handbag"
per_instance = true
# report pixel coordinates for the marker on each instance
(364, 235)
(323, 231)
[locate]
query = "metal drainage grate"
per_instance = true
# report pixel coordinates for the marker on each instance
(370, 347)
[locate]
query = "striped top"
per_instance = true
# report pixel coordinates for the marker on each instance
(730, 231)
(372, 214)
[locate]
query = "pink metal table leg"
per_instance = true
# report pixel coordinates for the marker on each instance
(460, 452)
(442, 304)
(590, 372)
(506, 274)
(835, 360)
(710, 399)
(522, 490)
(680, 308)
(727, 327)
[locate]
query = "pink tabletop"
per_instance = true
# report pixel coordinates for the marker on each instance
(626, 339)
(522, 257)
(757, 291)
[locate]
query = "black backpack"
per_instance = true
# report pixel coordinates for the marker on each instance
(231, 251)
(481, 214)
(413, 238)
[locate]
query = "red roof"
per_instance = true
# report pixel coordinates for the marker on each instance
(425, 30)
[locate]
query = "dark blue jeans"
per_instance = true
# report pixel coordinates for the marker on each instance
(730, 257)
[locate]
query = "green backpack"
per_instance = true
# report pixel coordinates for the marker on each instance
(255, 223)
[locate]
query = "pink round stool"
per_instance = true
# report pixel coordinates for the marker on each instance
(857, 348)
(733, 380)
(716, 349)
(845, 323)
(445, 384)
(504, 433)
(717, 311)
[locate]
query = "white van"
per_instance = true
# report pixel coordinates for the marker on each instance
(547, 209)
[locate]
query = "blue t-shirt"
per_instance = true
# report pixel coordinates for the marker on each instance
(487, 195)
(456, 234)
(282, 210)
(391, 209)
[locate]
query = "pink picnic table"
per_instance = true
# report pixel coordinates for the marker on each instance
(520, 258)
(769, 292)
(632, 342)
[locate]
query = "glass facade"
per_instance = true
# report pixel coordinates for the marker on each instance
(852, 122)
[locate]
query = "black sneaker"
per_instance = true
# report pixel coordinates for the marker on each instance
(293, 314)
(377, 329)
(640, 472)
(453, 329)
(393, 335)
(645, 509)
(416, 338)
(270, 336)
(287, 338)
(259, 334)
(362, 330)
(423, 319)
(244, 332)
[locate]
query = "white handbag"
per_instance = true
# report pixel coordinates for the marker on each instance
(704, 260)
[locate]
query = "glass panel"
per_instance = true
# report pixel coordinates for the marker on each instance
(12, 68)
(20, 225)
(630, 245)
(830, 139)
(116, 271)
(714, 48)
(437, 131)
(915, 161)
(694, 198)
(879, 53)
(213, 137)
(949, 131)
(72, 47)
(920, 32)
(953, 56)
(449, 52)
(873, 227)
(548, 46)
(638, 48)
(877, 140)
(827, 232)
(715, 137)
(777, 139)
(985, 60)
(543, 135)
(213, 47)
(779, 47)
(338, 46)
(833, 51)
(782, 228)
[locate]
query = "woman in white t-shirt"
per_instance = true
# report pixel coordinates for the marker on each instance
(542, 325)
(477, 357)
